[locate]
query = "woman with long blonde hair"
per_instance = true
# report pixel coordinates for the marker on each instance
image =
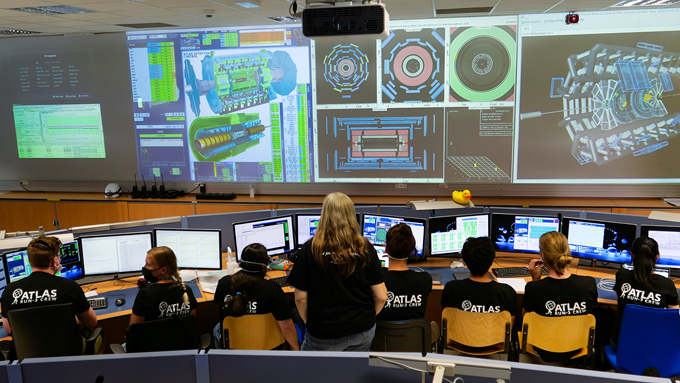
(338, 282)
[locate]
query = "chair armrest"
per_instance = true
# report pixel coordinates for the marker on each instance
(91, 340)
(117, 348)
(6, 349)
(206, 341)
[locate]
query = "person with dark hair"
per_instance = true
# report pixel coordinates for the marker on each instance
(338, 282)
(167, 295)
(407, 290)
(642, 286)
(478, 293)
(247, 292)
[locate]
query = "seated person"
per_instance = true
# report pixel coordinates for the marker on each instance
(561, 293)
(167, 296)
(407, 290)
(641, 286)
(247, 292)
(479, 293)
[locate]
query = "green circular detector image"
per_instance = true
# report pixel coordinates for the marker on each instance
(381, 234)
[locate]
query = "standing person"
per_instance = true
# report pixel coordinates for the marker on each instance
(338, 282)
(561, 293)
(247, 292)
(167, 295)
(641, 286)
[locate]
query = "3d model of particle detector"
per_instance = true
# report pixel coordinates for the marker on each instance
(612, 101)
(216, 138)
(234, 82)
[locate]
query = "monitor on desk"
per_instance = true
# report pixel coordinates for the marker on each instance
(374, 228)
(71, 263)
(668, 238)
(599, 240)
(449, 233)
(520, 232)
(305, 227)
(114, 253)
(18, 267)
(276, 234)
(16, 264)
(194, 248)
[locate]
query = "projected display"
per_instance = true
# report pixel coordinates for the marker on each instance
(276, 234)
(115, 253)
(599, 240)
(375, 228)
(668, 238)
(520, 232)
(194, 249)
(222, 104)
(448, 234)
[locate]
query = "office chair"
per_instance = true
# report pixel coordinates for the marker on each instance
(566, 334)
(478, 333)
(167, 334)
(251, 332)
(47, 331)
(657, 354)
(414, 335)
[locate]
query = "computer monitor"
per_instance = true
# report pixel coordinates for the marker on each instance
(668, 238)
(194, 248)
(599, 240)
(16, 264)
(276, 234)
(114, 253)
(520, 232)
(71, 263)
(3, 276)
(305, 227)
(375, 227)
(449, 233)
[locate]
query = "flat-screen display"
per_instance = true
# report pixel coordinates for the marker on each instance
(17, 266)
(520, 233)
(114, 253)
(71, 263)
(668, 238)
(449, 233)
(375, 227)
(3, 276)
(305, 227)
(599, 240)
(276, 234)
(194, 248)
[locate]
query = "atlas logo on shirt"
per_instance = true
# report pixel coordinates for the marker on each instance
(401, 301)
(642, 296)
(22, 297)
(173, 309)
(562, 309)
(468, 306)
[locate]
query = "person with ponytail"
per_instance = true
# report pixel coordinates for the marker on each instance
(338, 282)
(166, 296)
(641, 286)
(247, 292)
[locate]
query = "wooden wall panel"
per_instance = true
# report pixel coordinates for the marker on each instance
(73, 214)
(26, 215)
(148, 210)
(215, 208)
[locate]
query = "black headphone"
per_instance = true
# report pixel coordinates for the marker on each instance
(41, 243)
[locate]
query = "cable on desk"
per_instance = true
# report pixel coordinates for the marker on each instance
(606, 284)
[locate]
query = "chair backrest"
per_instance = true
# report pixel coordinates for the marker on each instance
(251, 332)
(167, 334)
(413, 335)
(649, 337)
(558, 334)
(477, 329)
(46, 331)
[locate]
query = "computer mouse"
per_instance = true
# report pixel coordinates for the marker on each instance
(120, 301)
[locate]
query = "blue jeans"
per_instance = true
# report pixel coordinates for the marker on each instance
(355, 342)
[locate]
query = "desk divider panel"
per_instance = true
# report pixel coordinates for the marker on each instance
(224, 222)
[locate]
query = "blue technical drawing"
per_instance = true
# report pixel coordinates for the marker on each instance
(345, 68)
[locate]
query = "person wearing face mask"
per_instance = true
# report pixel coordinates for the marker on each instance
(167, 295)
(43, 288)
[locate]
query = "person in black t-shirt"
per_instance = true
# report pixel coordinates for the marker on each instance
(338, 282)
(407, 290)
(247, 292)
(479, 293)
(641, 286)
(43, 288)
(167, 295)
(561, 293)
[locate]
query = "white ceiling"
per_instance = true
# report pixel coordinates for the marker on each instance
(191, 13)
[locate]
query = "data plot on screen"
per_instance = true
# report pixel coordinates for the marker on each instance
(345, 73)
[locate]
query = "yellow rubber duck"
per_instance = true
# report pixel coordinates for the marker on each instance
(461, 197)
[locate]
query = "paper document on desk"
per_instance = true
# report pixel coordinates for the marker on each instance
(209, 279)
(516, 283)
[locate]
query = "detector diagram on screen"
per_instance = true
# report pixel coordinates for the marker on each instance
(216, 138)
(613, 101)
(345, 73)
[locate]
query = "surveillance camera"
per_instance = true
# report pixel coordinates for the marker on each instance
(208, 16)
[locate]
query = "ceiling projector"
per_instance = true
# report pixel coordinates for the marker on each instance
(344, 20)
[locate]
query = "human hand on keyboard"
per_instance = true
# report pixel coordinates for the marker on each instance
(535, 269)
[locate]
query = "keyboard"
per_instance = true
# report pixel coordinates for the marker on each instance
(509, 272)
(281, 281)
(98, 302)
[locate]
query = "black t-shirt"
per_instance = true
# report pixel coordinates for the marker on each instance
(264, 297)
(576, 295)
(337, 306)
(407, 293)
(43, 289)
(660, 294)
(163, 300)
(480, 297)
